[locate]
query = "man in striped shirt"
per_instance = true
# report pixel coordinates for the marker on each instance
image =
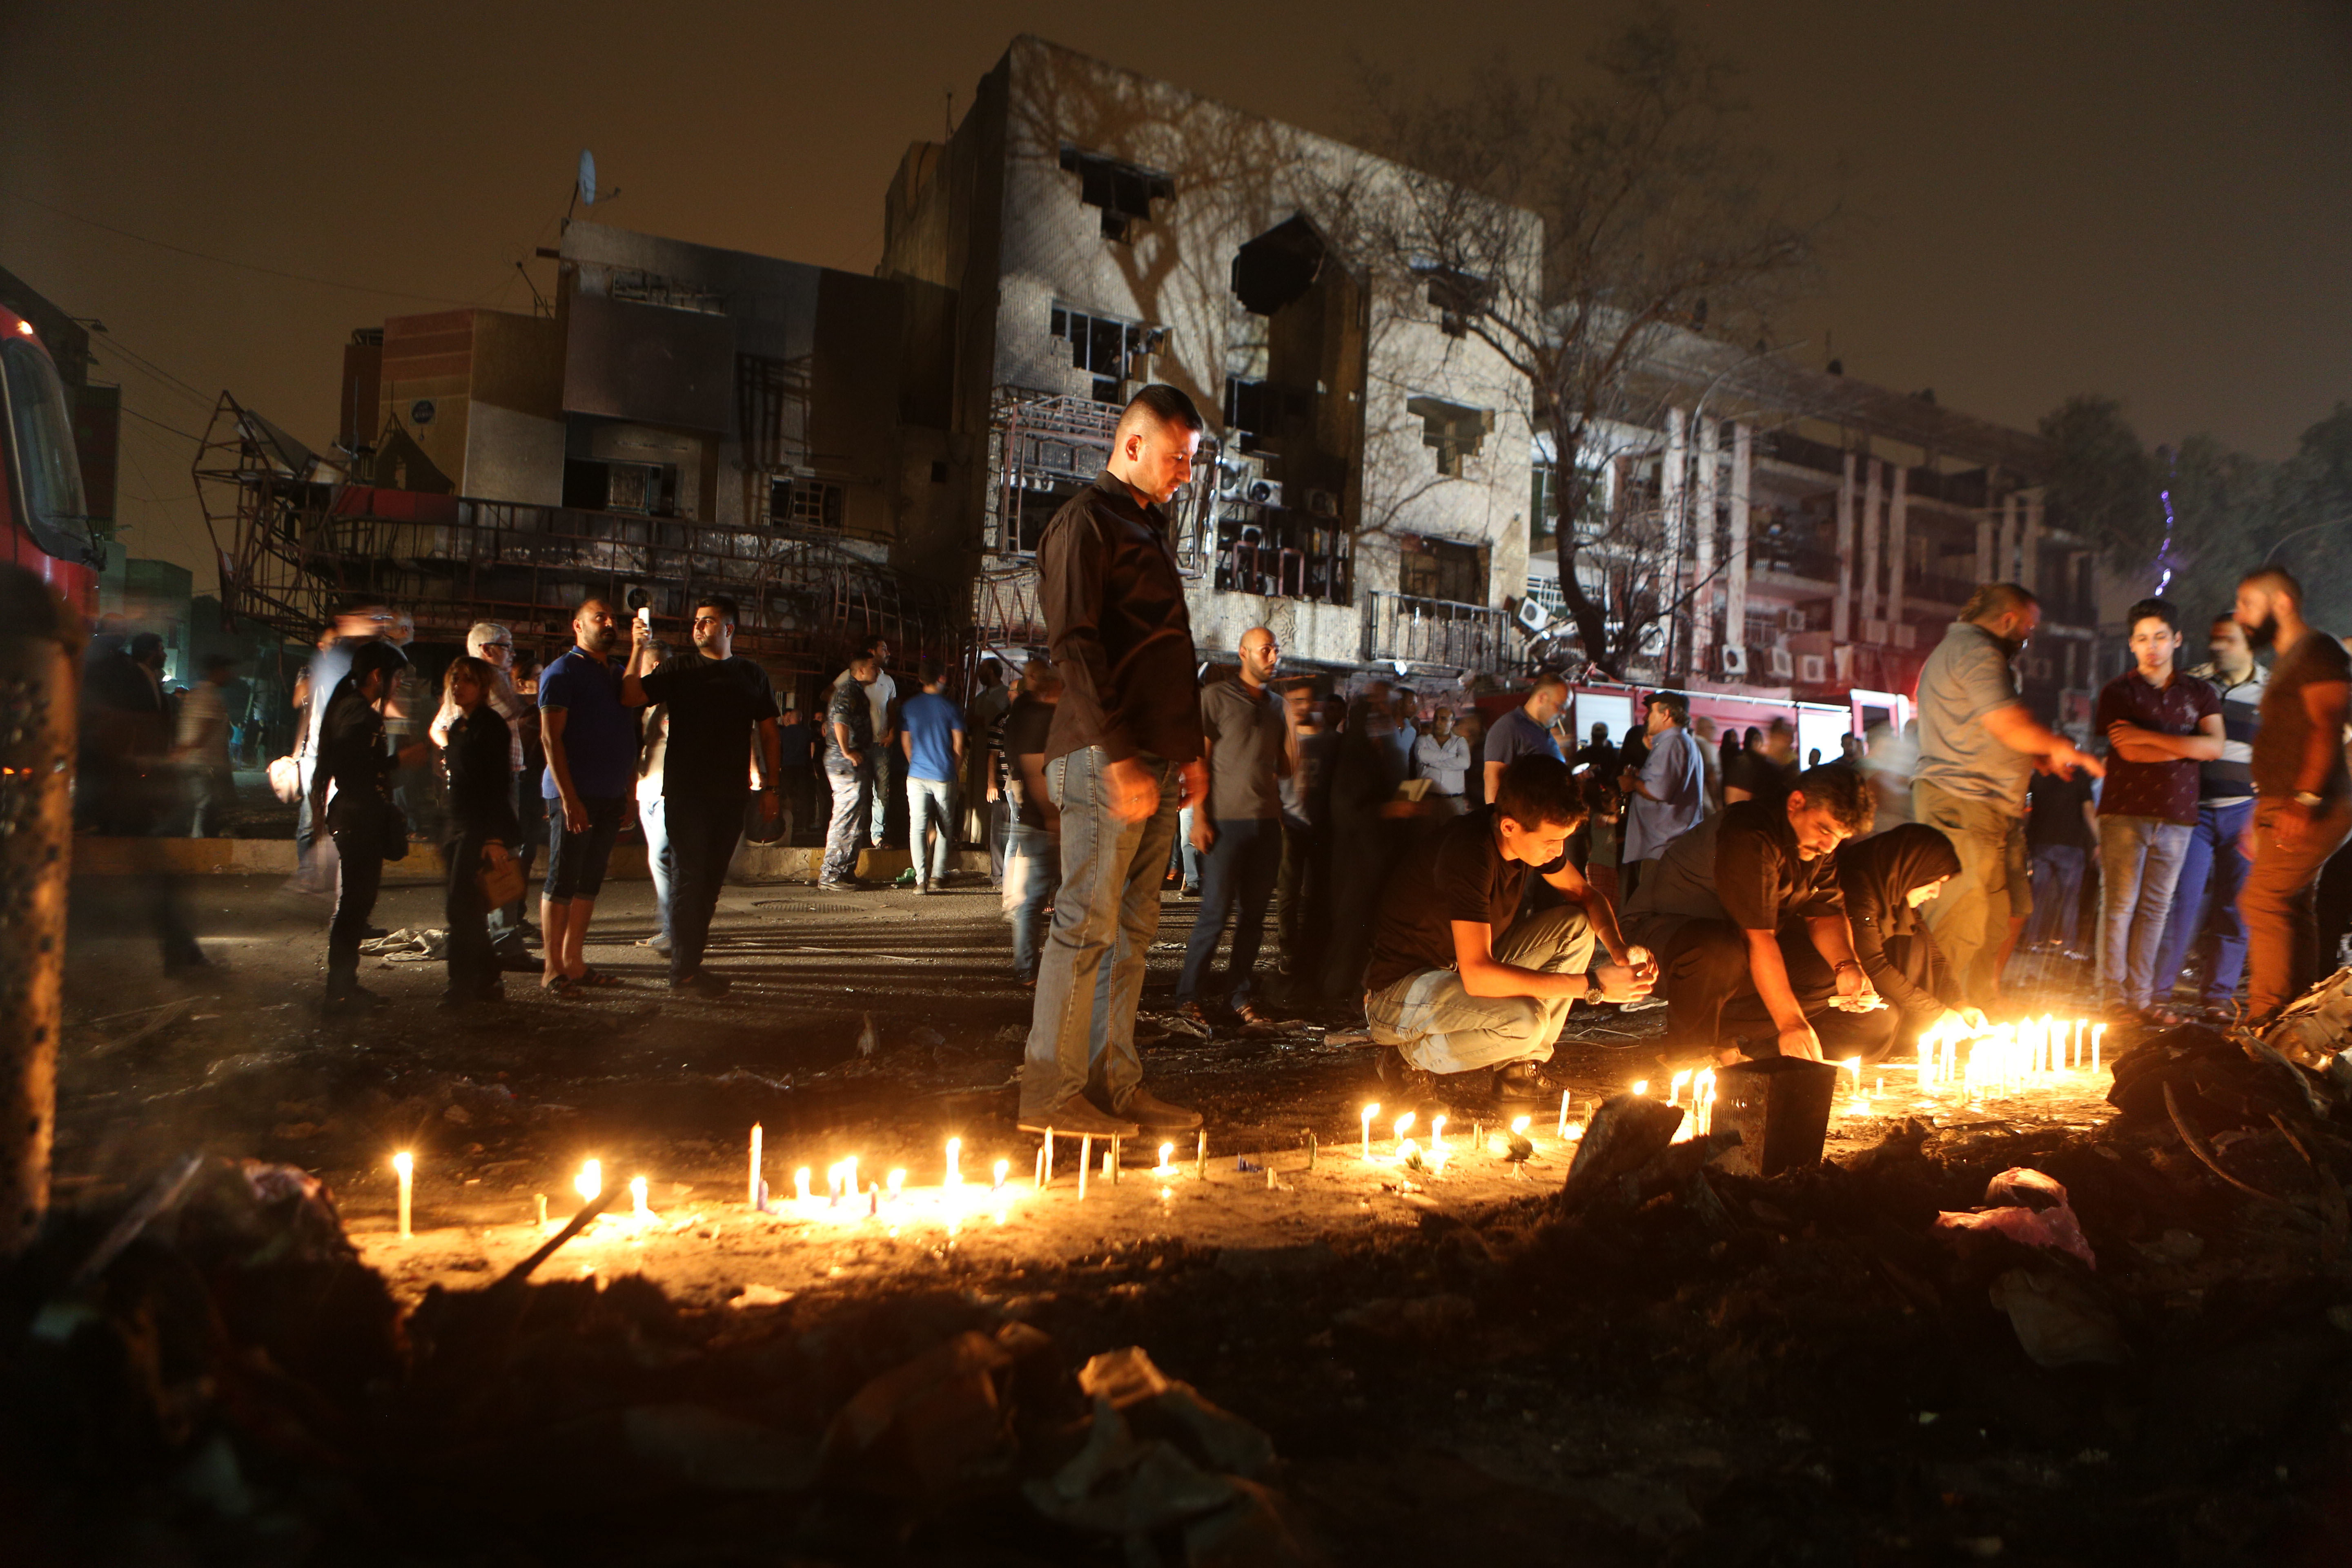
(2205, 901)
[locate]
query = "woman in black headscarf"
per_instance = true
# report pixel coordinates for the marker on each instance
(368, 829)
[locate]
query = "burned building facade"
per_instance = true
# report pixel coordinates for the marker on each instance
(1363, 485)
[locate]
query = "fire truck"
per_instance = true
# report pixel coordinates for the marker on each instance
(48, 519)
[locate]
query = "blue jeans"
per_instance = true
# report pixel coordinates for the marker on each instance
(2139, 863)
(658, 860)
(853, 792)
(2058, 895)
(2205, 901)
(884, 762)
(930, 806)
(1237, 877)
(1182, 856)
(1033, 870)
(1091, 976)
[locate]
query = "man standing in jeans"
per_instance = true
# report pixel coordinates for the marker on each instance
(2303, 795)
(2061, 829)
(1124, 757)
(2162, 724)
(881, 697)
(1033, 856)
(1978, 747)
(592, 776)
(931, 734)
(1246, 728)
(721, 714)
(849, 756)
(2205, 901)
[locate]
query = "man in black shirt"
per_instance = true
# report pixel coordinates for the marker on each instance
(715, 702)
(1730, 894)
(1457, 981)
(850, 751)
(1124, 757)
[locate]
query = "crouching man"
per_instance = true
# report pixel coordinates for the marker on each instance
(1733, 897)
(1459, 982)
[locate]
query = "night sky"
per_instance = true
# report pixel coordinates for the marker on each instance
(2144, 199)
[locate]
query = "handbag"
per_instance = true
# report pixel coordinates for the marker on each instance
(498, 878)
(286, 779)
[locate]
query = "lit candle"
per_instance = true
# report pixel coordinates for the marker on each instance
(849, 1177)
(1002, 1167)
(753, 1190)
(1674, 1086)
(955, 1163)
(1163, 1168)
(1403, 1125)
(2098, 1033)
(539, 1201)
(1853, 1065)
(2074, 1057)
(637, 1199)
(898, 1184)
(1436, 1134)
(1563, 1114)
(1519, 1125)
(1110, 1169)
(1370, 1111)
(801, 1184)
(1201, 1154)
(590, 1182)
(1640, 1086)
(407, 1168)
(1086, 1158)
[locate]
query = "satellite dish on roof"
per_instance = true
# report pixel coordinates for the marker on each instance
(588, 177)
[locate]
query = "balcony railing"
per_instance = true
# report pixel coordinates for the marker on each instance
(1439, 632)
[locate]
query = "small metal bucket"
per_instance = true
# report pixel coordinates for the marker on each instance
(1780, 1107)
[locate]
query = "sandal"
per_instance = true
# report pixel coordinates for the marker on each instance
(597, 978)
(1251, 1016)
(562, 985)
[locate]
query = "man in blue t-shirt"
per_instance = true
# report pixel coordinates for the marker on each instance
(1525, 730)
(930, 735)
(590, 739)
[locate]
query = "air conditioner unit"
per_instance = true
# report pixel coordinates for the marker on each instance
(1813, 669)
(1735, 659)
(1535, 617)
(1264, 492)
(1323, 503)
(1792, 620)
(1784, 663)
(1905, 635)
(1233, 479)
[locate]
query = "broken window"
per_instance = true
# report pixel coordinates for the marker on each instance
(1278, 267)
(1459, 297)
(1441, 569)
(1255, 409)
(1280, 555)
(1105, 348)
(1124, 192)
(650, 488)
(811, 505)
(1451, 430)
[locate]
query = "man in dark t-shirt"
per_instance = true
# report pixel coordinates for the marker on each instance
(1457, 981)
(2303, 795)
(717, 704)
(1726, 899)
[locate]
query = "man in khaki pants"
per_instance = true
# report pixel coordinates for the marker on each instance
(1978, 748)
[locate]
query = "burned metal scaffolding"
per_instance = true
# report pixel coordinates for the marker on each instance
(295, 537)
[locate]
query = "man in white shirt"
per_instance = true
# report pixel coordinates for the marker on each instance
(1443, 758)
(881, 696)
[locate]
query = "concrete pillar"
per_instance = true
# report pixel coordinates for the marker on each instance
(1672, 512)
(1842, 610)
(2005, 568)
(1735, 613)
(1703, 635)
(39, 660)
(1898, 541)
(1870, 531)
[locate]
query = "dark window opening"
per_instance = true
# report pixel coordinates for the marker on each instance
(1033, 510)
(1110, 350)
(1255, 409)
(650, 488)
(1122, 191)
(812, 505)
(1458, 297)
(1283, 555)
(1443, 569)
(1451, 430)
(1278, 267)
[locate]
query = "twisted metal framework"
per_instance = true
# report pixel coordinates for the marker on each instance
(294, 538)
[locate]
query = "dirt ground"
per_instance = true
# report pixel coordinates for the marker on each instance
(1737, 1373)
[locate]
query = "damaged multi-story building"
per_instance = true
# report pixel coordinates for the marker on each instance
(1364, 490)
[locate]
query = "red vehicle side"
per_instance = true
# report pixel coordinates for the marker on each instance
(47, 518)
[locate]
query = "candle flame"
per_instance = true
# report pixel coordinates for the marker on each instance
(897, 1180)
(955, 1162)
(591, 1179)
(801, 1184)
(1640, 1086)
(1519, 1125)
(401, 1164)
(1403, 1125)
(1001, 1167)
(638, 1198)
(1675, 1085)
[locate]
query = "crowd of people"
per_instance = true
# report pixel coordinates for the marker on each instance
(1467, 877)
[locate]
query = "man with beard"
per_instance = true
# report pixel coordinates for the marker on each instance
(1978, 747)
(2303, 795)
(592, 774)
